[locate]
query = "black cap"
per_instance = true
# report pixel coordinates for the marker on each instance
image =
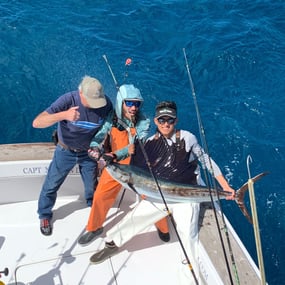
(166, 108)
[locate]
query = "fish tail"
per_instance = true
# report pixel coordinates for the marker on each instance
(240, 196)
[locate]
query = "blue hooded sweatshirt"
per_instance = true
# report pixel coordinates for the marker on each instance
(117, 120)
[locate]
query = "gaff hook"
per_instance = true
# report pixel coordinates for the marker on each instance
(248, 161)
(255, 223)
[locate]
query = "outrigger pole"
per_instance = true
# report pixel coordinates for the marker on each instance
(255, 222)
(204, 142)
(158, 187)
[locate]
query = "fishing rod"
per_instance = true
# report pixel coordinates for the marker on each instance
(111, 71)
(156, 182)
(167, 210)
(128, 62)
(205, 146)
(255, 222)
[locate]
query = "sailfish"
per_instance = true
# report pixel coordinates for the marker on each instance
(136, 179)
(147, 174)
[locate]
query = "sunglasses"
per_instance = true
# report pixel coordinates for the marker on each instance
(163, 120)
(132, 103)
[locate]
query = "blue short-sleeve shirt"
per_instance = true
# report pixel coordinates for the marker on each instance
(78, 134)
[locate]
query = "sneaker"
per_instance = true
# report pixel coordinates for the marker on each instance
(109, 250)
(88, 237)
(163, 236)
(45, 226)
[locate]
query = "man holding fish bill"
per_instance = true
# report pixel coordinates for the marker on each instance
(173, 157)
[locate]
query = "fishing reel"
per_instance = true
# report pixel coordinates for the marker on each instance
(5, 272)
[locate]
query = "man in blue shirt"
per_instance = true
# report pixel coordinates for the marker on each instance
(79, 115)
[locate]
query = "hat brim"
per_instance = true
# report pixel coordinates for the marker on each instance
(133, 99)
(96, 103)
(166, 115)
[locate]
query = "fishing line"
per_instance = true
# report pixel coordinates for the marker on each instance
(205, 146)
(157, 184)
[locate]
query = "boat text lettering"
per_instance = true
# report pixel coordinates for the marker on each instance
(42, 170)
(32, 170)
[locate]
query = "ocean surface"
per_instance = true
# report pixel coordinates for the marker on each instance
(236, 56)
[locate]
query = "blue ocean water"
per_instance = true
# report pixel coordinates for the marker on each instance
(236, 55)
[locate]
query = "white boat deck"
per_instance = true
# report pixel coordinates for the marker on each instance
(57, 259)
(35, 259)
